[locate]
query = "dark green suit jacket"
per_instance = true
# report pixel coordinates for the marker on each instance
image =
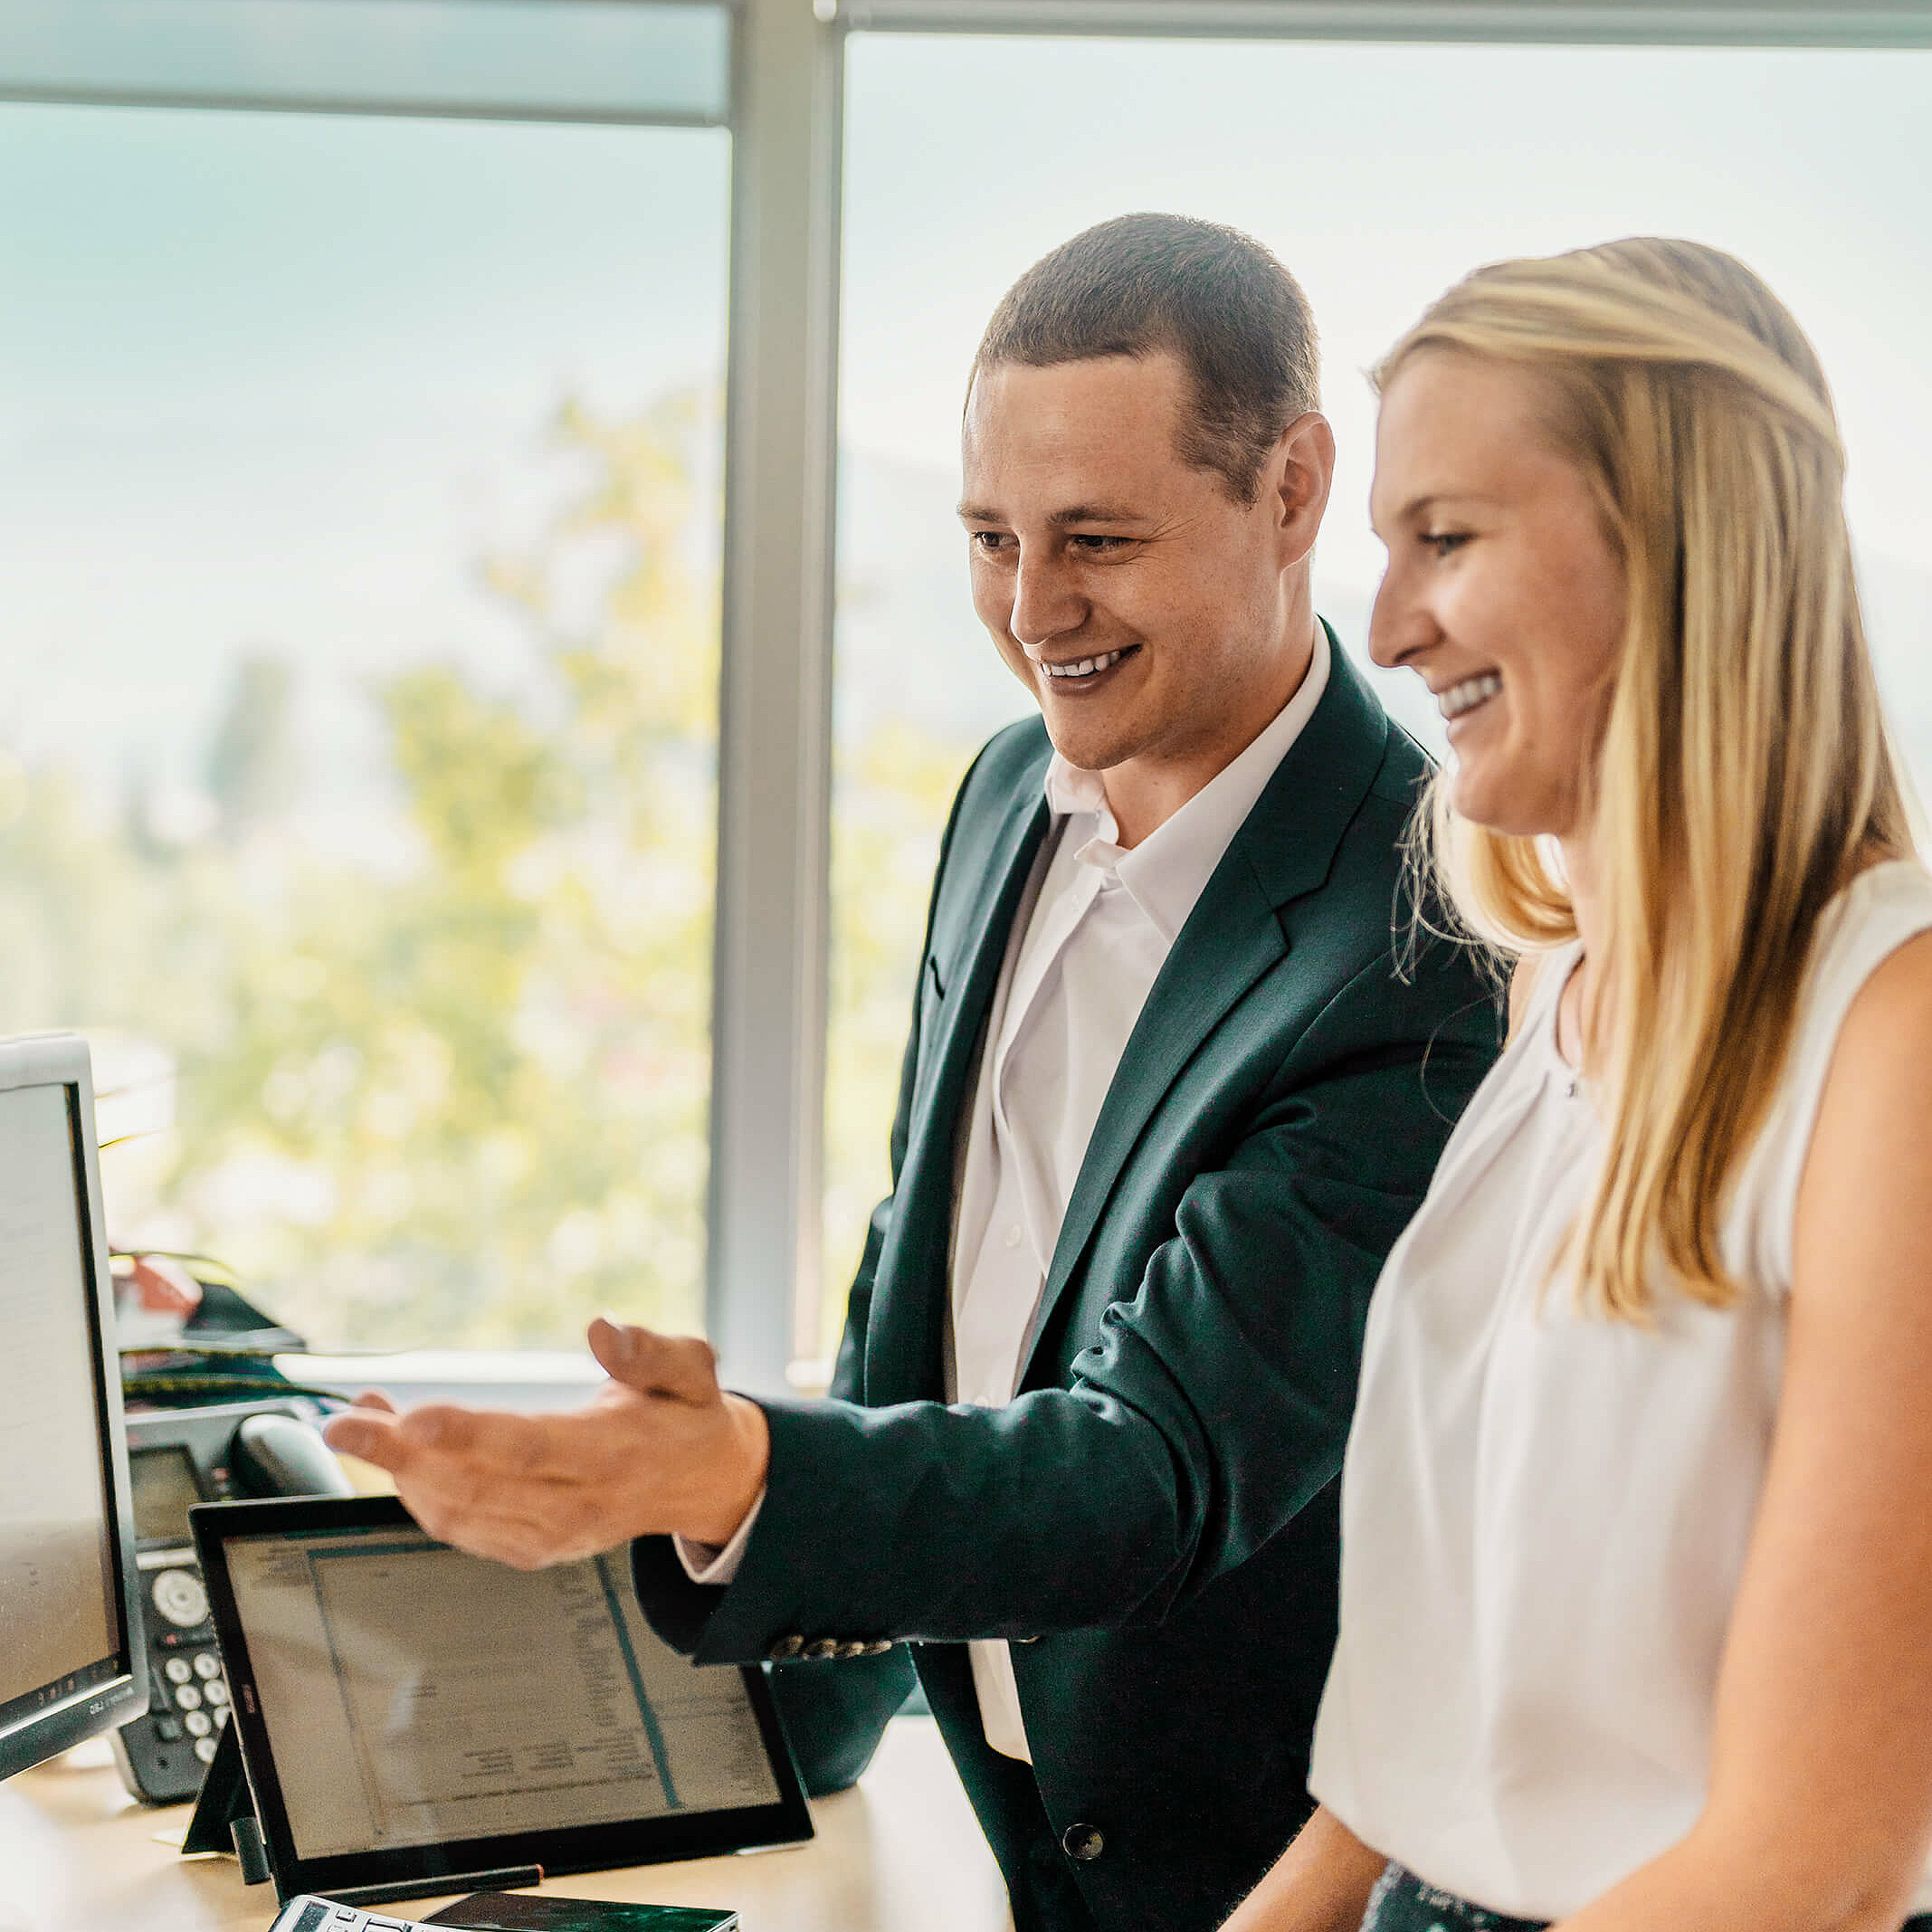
(1155, 1514)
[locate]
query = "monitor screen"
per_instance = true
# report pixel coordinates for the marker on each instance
(69, 1666)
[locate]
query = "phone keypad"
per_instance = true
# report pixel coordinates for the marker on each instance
(191, 1697)
(181, 1597)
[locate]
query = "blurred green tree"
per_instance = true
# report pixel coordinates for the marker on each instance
(466, 1104)
(456, 1095)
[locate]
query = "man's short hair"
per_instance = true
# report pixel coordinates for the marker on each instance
(1211, 296)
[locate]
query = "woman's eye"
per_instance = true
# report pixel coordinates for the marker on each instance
(1444, 543)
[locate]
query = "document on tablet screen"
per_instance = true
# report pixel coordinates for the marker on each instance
(414, 1695)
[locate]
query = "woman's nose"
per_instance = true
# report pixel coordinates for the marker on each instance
(1397, 627)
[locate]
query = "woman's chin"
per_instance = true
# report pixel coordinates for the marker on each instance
(1484, 796)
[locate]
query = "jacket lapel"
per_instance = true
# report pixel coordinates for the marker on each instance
(975, 969)
(1233, 935)
(903, 1358)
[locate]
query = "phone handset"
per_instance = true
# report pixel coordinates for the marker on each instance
(276, 1455)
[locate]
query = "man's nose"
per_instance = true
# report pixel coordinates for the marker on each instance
(1045, 601)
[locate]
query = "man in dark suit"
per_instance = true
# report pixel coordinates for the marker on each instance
(1167, 1101)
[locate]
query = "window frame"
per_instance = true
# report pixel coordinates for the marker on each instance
(1609, 22)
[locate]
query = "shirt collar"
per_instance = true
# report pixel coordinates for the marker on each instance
(1169, 869)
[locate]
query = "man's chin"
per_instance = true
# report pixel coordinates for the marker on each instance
(1082, 747)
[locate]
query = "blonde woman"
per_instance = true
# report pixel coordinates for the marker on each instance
(1636, 1629)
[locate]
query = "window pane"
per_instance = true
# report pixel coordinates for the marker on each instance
(358, 531)
(1379, 172)
(583, 57)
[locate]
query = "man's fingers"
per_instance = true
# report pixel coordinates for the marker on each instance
(682, 1368)
(369, 1434)
(375, 1399)
(508, 1538)
(485, 1440)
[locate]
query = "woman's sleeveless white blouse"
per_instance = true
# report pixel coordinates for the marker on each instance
(1545, 1513)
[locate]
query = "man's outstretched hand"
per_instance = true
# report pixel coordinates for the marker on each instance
(659, 1450)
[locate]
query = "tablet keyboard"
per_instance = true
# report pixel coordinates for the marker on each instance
(311, 1913)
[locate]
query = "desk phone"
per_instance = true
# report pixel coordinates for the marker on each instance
(178, 1457)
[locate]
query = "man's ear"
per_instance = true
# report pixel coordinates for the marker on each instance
(1299, 476)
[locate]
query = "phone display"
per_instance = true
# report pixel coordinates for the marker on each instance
(165, 1489)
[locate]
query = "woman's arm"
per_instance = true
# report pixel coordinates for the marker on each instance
(1819, 1814)
(1319, 1884)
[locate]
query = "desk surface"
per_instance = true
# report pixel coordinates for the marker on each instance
(901, 1853)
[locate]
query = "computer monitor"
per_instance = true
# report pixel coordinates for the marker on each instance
(72, 1657)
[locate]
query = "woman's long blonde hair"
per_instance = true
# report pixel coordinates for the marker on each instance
(1744, 772)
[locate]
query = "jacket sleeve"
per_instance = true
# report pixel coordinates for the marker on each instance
(1214, 1405)
(834, 1711)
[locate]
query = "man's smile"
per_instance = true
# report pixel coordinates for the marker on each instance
(1082, 673)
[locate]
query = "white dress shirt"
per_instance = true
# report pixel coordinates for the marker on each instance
(1088, 943)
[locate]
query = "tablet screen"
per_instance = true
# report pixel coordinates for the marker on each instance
(413, 1696)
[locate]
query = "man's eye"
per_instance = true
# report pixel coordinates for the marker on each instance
(990, 541)
(1094, 542)
(1444, 543)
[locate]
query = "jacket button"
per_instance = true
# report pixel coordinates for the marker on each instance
(785, 1649)
(1082, 1843)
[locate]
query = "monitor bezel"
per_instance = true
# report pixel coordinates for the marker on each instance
(122, 1694)
(582, 1848)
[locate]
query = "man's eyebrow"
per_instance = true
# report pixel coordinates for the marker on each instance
(1096, 513)
(1073, 513)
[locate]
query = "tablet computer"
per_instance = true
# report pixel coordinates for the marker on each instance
(408, 1713)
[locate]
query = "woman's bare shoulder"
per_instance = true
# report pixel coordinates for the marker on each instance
(1873, 1134)
(1893, 1008)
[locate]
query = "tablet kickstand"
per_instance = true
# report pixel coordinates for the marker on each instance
(224, 1799)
